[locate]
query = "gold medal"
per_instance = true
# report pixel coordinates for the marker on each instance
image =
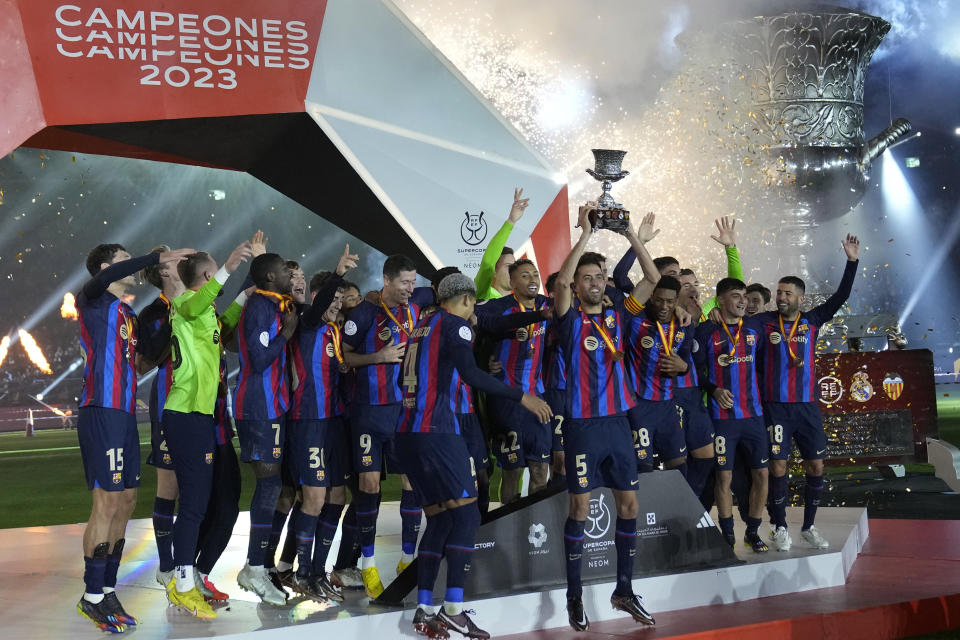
(798, 361)
(795, 360)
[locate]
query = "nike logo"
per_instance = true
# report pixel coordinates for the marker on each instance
(765, 461)
(633, 483)
(450, 622)
(717, 344)
(820, 453)
(583, 620)
(682, 450)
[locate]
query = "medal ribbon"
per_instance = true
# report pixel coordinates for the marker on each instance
(734, 341)
(337, 349)
(397, 322)
(606, 338)
(793, 332)
(284, 302)
(667, 344)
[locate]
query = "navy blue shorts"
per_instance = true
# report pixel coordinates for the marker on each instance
(799, 422)
(373, 427)
(747, 433)
(472, 433)
(159, 451)
(192, 440)
(599, 453)
(696, 422)
(557, 399)
(262, 440)
(655, 426)
(109, 448)
(520, 437)
(307, 452)
(439, 466)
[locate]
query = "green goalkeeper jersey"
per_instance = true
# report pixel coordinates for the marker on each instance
(196, 348)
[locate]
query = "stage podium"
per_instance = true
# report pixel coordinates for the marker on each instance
(519, 547)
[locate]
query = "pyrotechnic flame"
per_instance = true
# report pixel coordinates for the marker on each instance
(69, 307)
(4, 347)
(33, 351)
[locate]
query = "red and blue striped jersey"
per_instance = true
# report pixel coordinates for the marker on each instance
(368, 329)
(431, 382)
(646, 349)
(597, 384)
(783, 381)
(522, 352)
(314, 352)
(554, 364)
(108, 337)
(262, 391)
(153, 340)
(732, 366)
(463, 396)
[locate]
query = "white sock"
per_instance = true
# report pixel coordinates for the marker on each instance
(93, 598)
(185, 578)
(108, 590)
(453, 608)
(366, 563)
(284, 566)
(406, 558)
(430, 610)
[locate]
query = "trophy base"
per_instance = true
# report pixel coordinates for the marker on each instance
(613, 219)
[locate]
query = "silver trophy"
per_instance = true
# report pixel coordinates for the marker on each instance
(608, 214)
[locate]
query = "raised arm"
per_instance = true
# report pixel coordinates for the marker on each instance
(563, 296)
(488, 264)
(851, 246)
(651, 276)
(313, 316)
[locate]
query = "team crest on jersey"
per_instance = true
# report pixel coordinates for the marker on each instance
(366, 461)
(320, 475)
(751, 339)
(166, 458)
(803, 328)
(775, 449)
(117, 477)
(609, 321)
(721, 460)
(893, 385)
(583, 482)
(512, 457)
(522, 334)
(276, 452)
(642, 454)
(216, 336)
(646, 342)
(860, 388)
(679, 336)
(384, 334)
(590, 343)
(775, 338)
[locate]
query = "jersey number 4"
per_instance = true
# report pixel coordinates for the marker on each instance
(410, 368)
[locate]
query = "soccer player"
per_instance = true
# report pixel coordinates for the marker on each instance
(440, 467)
(314, 414)
(493, 277)
(522, 440)
(598, 445)
(791, 394)
(267, 323)
(375, 336)
(153, 350)
(188, 413)
(555, 383)
(758, 297)
(728, 354)
(107, 424)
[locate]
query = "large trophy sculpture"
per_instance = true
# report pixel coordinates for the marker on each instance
(608, 213)
(803, 72)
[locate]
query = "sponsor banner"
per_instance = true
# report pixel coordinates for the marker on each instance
(878, 406)
(114, 61)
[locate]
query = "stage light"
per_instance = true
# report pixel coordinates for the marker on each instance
(932, 268)
(911, 163)
(956, 131)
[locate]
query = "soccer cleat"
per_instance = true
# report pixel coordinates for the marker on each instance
(255, 579)
(755, 542)
(164, 577)
(632, 604)
(305, 586)
(111, 603)
(328, 590)
(287, 578)
(781, 539)
(462, 624)
(349, 578)
(428, 625)
(98, 614)
(191, 602)
(276, 581)
(371, 582)
(576, 615)
(208, 589)
(813, 538)
(730, 538)
(401, 565)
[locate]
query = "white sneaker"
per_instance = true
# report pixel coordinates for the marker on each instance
(814, 539)
(781, 539)
(164, 577)
(255, 579)
(198, 581)
(349, 578)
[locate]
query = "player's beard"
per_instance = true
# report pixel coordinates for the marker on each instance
(592, 297)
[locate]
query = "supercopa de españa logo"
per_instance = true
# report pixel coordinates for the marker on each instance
(473, 229)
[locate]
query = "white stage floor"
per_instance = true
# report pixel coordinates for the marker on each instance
(41, 579)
